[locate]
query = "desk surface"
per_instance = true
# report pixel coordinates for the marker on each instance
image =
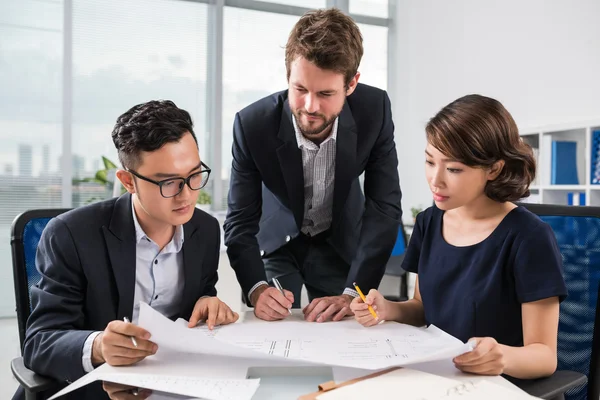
(296, 381)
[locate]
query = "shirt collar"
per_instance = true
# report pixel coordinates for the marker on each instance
(176, 241)
(304, 142)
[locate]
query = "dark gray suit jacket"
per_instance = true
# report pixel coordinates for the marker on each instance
(266, 194)
(87, 261)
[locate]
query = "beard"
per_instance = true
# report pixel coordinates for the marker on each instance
(315, 129)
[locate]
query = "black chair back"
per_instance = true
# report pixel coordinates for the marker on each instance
(577, 231)
(26, 231)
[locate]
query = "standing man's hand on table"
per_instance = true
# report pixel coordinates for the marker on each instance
(332, 308)
(270, 304)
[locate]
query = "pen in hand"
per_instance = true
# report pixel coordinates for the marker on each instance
(278, 286)
(363, 298)
(131, 337)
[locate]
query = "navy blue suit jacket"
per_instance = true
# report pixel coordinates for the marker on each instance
(87, 261)
(266, 194)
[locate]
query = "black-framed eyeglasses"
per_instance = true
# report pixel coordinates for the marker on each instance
(171, 187)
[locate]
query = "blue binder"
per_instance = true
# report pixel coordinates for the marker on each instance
(564, 163)
(595, 157)
(576, 199)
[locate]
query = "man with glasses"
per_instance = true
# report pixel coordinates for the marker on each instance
(151, 245)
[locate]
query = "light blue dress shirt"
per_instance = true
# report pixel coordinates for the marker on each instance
(158, 279)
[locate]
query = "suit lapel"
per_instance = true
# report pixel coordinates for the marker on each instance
(193, 256)
(345, 162)
(290, 160)
(120, 242)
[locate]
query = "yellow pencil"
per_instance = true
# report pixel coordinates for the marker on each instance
(362, 296)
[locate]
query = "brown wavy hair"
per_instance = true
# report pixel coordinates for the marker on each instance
(478, 132)
(329, 39)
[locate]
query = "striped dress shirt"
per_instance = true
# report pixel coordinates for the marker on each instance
(318, 165)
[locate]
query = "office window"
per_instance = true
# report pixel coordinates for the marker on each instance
(126, 53)
(302, 3)
(373, 8)
(253, 67)
(374, 65)
(30, 119)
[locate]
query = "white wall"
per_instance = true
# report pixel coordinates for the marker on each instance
(541, 59)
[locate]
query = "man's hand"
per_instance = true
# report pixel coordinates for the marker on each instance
(213, 311)
(115, 346)
(326, 308)
(270, 304)
(117, 391)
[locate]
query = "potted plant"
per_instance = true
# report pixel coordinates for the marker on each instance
(415, 211)
(203, 201)
(105, 178)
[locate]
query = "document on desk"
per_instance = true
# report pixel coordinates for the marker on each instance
(416, 385)
(206, 377)
(344, 343)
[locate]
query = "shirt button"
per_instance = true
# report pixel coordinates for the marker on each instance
(155, 261)
(155, 297)
(288, 238)
(262, 253)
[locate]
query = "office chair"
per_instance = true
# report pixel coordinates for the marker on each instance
(26, 231)
(394, 265)
(577, 231)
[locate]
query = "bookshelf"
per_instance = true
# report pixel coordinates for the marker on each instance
(564, 155)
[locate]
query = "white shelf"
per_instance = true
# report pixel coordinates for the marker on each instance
(540, 139)
(565, 187)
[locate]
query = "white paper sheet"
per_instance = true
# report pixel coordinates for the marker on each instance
(199, 358)
(176, 337)
(210, 389)
(203, 376)
(416, 385)
(344, 343)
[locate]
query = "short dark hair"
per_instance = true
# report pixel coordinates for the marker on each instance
(147, 127)
(329, 39)
(478, 132)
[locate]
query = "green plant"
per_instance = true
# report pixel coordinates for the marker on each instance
(204, 198)
(102, 177)
(415, 211)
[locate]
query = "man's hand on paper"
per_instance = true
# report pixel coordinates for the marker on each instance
(270, 304)
(117, 391)
(487, 358)
(213, 311)
(328, 308)
(115, 346)
(379, 304)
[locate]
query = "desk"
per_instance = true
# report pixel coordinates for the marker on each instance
(282, 381)
(272, 387)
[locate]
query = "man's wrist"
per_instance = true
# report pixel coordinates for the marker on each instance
(348, 297)
(256, 292)
(97, 356)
